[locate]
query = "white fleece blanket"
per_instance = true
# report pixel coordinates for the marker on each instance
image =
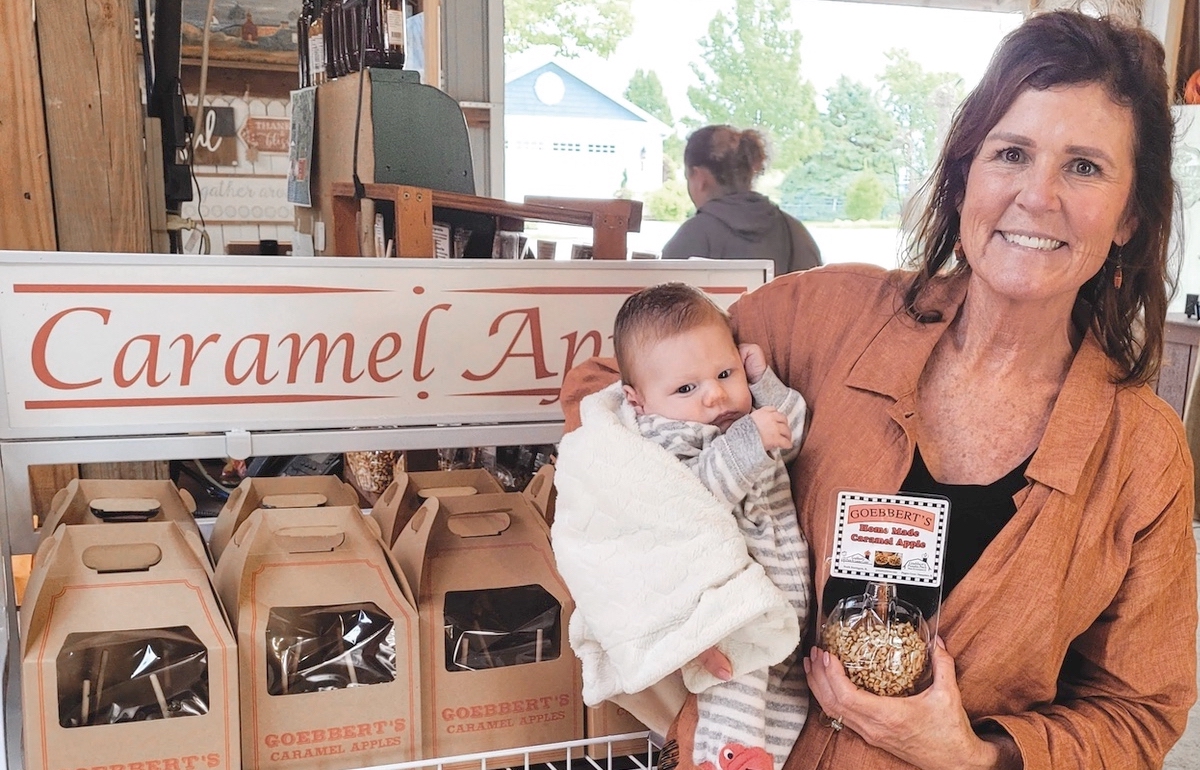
(655, 563)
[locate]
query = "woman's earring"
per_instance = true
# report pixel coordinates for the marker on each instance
(959, 252)
(1118, 277)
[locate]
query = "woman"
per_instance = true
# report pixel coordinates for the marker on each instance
(1068, 639)
(732, 221)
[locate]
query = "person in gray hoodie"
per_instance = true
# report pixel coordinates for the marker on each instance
(732, 221)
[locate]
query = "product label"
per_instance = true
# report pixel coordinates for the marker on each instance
(395, 25)
(485, 717)
(335, 739)
(895, 538)
(316, 53)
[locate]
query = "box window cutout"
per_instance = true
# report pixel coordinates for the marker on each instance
(312, 649)
(110, 677)
(501, 627)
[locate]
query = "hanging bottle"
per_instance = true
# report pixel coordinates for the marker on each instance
(352, 25)
(334, 46)
(304, 70)
(317, 40)
(386, 36)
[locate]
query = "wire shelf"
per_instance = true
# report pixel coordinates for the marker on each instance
(575, 755)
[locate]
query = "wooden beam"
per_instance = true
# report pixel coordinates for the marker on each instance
(94, 123)
(26, 205)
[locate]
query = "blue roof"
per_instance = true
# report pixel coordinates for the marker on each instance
(579, 100)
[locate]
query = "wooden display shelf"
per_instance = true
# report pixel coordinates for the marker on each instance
(611, 220)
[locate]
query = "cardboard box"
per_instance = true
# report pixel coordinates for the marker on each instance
(407, 491)
(120, 626)
(327, 641)
(73, 504)
(610, 719)
(498, 671)
(248, 497)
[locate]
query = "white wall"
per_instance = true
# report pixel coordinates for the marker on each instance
(534, 167)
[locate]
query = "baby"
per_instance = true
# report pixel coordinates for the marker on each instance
(738, 583)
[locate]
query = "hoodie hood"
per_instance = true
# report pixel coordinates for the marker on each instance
(751, 215)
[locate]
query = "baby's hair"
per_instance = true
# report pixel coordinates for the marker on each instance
(659, 312)
(734, 157)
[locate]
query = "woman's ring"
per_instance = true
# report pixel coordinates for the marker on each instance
(836, 724)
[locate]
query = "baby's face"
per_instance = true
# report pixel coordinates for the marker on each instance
(696, 375)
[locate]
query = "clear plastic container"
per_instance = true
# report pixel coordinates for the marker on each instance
(883, 642)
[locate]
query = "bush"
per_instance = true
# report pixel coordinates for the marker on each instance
(669, 203)
(866, 196)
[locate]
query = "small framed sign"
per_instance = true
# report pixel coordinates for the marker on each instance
(895, 538)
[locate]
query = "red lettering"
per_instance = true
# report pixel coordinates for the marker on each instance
(422, 335)
(271, 740)
(258, 364)
(379, 725)
(447, 715)
(532, 321)
(149, 366)
(38, 352)
(399, 725)
(212, 759)
(375, 359)
(171, 764)
(324, 353)
(190, 354)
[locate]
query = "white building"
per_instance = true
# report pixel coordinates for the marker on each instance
(564, 137)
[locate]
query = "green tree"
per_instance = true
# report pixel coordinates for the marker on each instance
(669, 203)
(857, 135)
(571, 26)
(751, 77)
(865, 197)
(922, 104)
(646, 91)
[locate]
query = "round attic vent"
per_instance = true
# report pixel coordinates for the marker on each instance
(549, 88)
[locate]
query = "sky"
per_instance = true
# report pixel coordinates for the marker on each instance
(839, 38)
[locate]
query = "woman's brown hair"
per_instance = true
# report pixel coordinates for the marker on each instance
(734, 157)
(1065, 48)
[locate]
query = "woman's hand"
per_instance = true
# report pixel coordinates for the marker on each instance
(753, 361)
(930, 729)
(714, 662)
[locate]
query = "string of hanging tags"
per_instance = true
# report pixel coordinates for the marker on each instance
(338, 37)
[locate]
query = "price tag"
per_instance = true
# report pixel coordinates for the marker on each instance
(895, 538)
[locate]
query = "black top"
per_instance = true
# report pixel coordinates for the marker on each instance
(977, 514)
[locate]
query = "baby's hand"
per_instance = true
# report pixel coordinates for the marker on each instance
(714, 662)
(753, 361)
(773, 428)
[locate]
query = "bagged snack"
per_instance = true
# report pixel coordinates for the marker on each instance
(374, 470)
(883, 642)
(882, 542)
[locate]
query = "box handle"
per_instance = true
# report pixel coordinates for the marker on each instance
(447, 492)
(123, 509)
(479, 524)
(315, 539)
(126, 557)
(295, 500)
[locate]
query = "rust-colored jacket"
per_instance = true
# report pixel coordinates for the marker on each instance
(1076, 629)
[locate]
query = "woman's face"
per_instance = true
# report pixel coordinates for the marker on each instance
(1047, 193)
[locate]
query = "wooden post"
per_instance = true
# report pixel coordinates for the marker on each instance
(26, 206)
(414, 222)
(94, 124)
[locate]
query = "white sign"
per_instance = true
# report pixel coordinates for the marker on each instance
(103, 344)
(240, 199)
(895, 538)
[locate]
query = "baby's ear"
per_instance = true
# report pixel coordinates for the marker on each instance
(631, 395)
